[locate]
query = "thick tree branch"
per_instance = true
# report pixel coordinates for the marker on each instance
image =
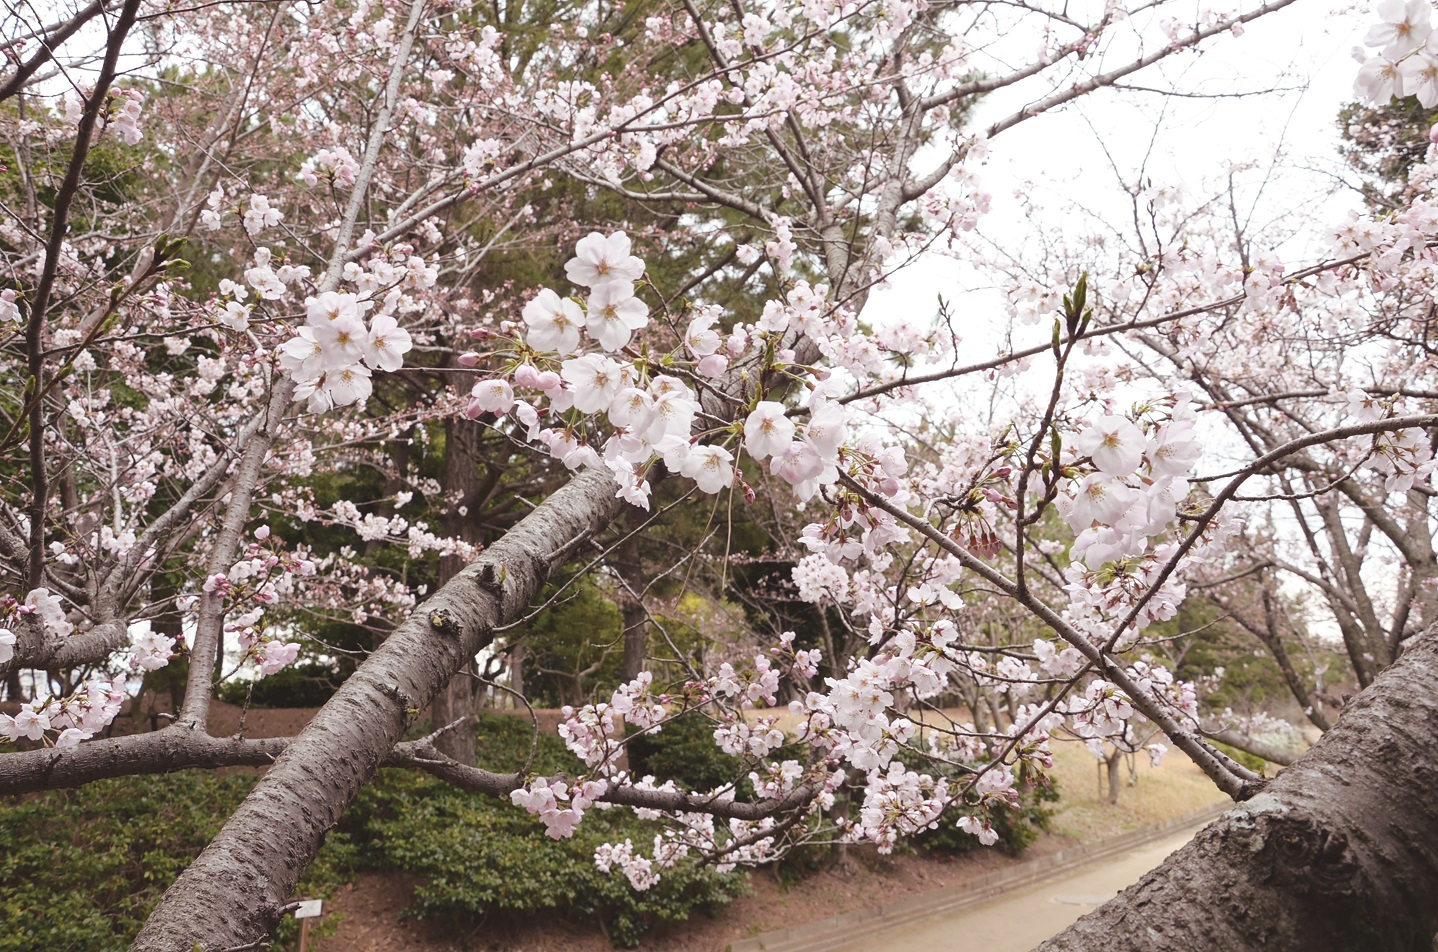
(1338, 854)
(233, 892)
(51, 39)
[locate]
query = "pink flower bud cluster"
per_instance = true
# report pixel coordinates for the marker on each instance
(79, 716)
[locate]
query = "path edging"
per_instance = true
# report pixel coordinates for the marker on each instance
(824, 934)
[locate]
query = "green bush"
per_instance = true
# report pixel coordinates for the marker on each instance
(300, 685)
(1017, 829)
(82, 868)
(685, 752)
(478, 855)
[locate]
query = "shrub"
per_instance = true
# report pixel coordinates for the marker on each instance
(299, 685)
(82, 868)
(1017, 829)
(478, 855)
(685, 752)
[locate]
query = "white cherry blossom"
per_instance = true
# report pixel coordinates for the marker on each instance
(594, 380)
(387, 344)
(767, 431)
(710, 467)
(598, 259)
(1114, 444)
(553, 322)
(614, 313)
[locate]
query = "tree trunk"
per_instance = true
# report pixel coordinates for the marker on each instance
(1114, 764)
(463, 489)
(454, 701)
(232, 895)
(516, 674)
(1338, 854)
(636, 634)
(629, 566)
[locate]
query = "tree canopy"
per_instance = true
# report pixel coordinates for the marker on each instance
(534, 347)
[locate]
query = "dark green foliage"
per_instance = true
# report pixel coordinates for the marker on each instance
(1384, 143)
(505, 742)
(479, 856)
(81, 868)
(305, 684)
(575, 648)
(1017, 829)
(685, 752)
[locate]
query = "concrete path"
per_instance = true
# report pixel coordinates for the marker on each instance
(1018, 921)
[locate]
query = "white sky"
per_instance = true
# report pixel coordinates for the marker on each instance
(1189, 142)
(1057, 157)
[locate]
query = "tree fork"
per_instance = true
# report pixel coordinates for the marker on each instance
(232, 894)
(1338, 854)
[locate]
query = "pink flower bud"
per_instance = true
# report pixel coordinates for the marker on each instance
(713, 366)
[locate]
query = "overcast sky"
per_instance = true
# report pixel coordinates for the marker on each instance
(1057, 158)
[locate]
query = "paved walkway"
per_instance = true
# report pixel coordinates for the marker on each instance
(1019, 921)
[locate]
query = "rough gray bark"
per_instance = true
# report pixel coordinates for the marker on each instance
(232, 894)
(462, 484)
(178, 747)
(1113, 765)
(1338, 854)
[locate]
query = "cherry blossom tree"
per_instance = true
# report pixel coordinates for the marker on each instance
(234, 232)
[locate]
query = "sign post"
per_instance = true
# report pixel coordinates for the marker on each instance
(307, 909)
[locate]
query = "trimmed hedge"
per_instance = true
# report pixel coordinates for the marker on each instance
(478, 856)
(82, 868)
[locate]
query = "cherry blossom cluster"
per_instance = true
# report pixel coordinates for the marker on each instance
(546, 800)
(71, 719)
(737, 843)
(899, 802)
(1403, 456)
(92, 705)
(1407, 61)
(333, 355)
(652, 415)
(337, 166)
(595, 733)
(1137, 483)
(119, 114)
(43, 606)
(258, 579)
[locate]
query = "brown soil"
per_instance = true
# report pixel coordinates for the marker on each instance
(367, 914)
(371, 908)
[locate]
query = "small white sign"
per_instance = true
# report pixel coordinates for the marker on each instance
(309, 909)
